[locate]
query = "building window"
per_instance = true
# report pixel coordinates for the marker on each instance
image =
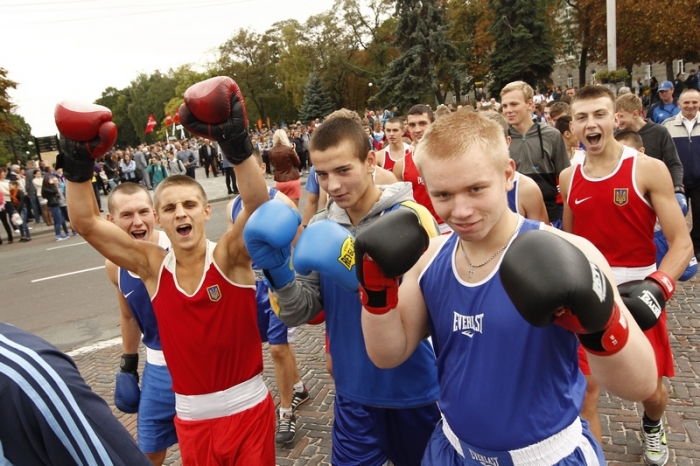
(592, 76)
(681, 67)
(647, 72)
(570, 81)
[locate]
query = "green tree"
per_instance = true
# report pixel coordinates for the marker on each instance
(149, 95)
(118, 102)
(317, 104)
(524, 46)
(15, 146)
(426, 64)
(6, 104)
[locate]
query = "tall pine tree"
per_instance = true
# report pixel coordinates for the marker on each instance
(426, 66)
(317, 103)
(524, 48)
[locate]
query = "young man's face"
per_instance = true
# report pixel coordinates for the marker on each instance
(515, 108)
(417, 125)
(393, 132)
(594, 122)
(689, 103)
(134, 214)
(470, 201)
(181, 214)
(625, 119)
(341, 173)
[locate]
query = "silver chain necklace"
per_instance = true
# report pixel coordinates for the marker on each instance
(495, 254)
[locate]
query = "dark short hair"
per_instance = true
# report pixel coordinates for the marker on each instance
(421, 109)
(562, 124)
(591, 92)
(333, 132)
(127, 189)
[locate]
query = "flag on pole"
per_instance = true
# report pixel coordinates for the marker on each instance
(168, 120)
(151, 124)
(176, 118)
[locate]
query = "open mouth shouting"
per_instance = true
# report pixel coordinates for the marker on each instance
(184, 230)
(139, 235)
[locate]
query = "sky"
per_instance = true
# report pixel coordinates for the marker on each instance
(74, 49)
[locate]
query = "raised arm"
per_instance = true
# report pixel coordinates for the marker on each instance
(87, 132)
(394, 319)
(215, 109)
(575, 291)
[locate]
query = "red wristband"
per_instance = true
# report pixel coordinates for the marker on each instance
(612, 339)
(665, 283)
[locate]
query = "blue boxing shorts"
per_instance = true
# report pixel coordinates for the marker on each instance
(271, 328)
(573, 446)
(156, 426)
(370, 435)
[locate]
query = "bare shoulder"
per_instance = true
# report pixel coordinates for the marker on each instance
(435, 244)
(384, 176)
(284, 198)
(112, 272)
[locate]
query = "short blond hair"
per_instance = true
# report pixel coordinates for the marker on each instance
(178, 180)
(522, 86)
(454, 134)
(628, 103)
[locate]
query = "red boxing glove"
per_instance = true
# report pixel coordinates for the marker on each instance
(87, 133)
(215, 109)
(378, 293)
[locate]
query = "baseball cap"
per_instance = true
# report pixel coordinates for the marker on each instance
(665, 86)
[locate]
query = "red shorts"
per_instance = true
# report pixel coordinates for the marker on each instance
(246, 438)
(658, 337)
(291, 188)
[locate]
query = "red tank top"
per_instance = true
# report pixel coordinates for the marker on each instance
(210, 340)
(420, 194)
(612, 214)
(389, 162)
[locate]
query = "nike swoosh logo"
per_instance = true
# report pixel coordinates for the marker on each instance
(578, 201)
(128, 294)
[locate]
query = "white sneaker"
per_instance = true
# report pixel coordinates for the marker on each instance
(654, 444)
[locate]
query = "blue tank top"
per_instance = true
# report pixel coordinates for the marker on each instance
(513, 195)
(504, 384)
(133, 289)
(139, 301)
(262, 297)
(412, 384)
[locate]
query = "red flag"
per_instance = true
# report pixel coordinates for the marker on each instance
(151, 124)
(176, 118)
(167, 120)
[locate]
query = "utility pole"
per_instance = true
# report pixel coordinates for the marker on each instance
(612, 34)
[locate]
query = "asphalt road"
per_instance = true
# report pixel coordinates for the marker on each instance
(60, 291)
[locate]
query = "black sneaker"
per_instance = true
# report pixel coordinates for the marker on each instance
(286, 429)
(299, 398)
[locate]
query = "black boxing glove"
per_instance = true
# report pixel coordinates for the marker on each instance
(215, 109)
(384, 251)
(646, 299)
(87, 133)
(549, 280)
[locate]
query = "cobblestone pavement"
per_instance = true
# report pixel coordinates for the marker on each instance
(620, 419)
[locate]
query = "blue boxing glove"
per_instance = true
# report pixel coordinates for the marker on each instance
(682, 201)
(661, 250)
(268, 236)
(329, 249)
(126, 389)
(690, 271)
